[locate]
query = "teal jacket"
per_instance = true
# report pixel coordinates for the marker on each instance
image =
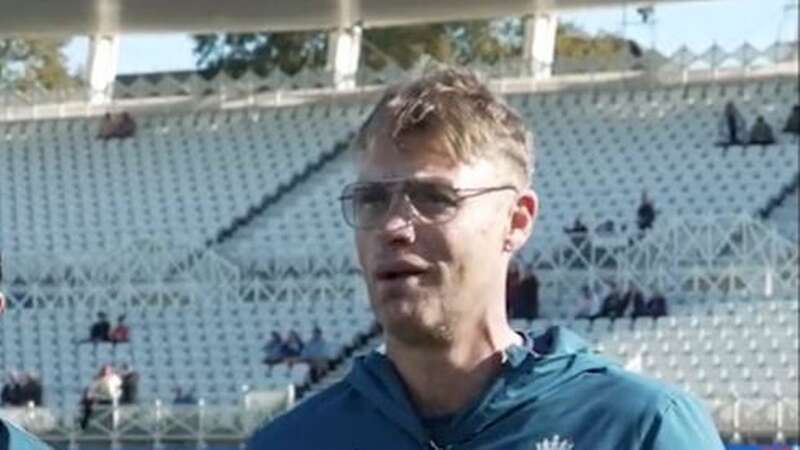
(552, 394)
(13, 437)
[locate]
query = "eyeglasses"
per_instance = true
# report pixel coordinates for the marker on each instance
(366, 205)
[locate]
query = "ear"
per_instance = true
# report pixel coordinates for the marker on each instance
(523, 217)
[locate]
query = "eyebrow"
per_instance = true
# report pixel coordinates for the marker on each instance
(432, 178)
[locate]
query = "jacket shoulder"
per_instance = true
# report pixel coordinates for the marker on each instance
(315, 420)
(15, 438)
(666, 416)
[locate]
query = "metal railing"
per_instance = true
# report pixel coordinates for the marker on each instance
(693, 258)
(157, 424)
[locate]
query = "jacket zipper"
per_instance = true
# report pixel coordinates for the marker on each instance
(433, 446)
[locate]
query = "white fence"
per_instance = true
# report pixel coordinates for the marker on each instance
(157, 425)
(682, 66)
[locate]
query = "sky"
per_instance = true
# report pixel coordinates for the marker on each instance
(698, 25)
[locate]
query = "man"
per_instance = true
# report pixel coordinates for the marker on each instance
(793, 121)
(732, 125)
(614, 303)
(99, 330)
(527, 298)
(761, 133)
(589, 304)
(13, 437)
(105, 389)
(317, 354)
(645, 214)
(130, 385)
(440, 207)
(11, 394)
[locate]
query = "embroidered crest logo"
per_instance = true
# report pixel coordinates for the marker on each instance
(554, 443)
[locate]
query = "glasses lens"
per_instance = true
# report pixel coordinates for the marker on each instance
(364, 205)
(433, 201)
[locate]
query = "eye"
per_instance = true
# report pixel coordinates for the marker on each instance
(371, 196)
(434, 193)
(431, 198)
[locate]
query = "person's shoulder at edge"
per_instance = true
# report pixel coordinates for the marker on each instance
(315, 417)
(13, 437)
(668, 417)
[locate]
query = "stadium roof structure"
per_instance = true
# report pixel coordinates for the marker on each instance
(95, 17)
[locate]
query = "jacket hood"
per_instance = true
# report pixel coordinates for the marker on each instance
(530, 371)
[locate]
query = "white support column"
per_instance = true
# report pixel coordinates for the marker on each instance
(344, 51)
(540, 43)
(102, 65)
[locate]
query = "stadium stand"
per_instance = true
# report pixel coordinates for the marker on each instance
(183, 178)
(597, 151)
(213, 345)
(228, 216)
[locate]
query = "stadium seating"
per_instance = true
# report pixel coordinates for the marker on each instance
(185, 177)
(212, 346)
(182, 178)
(596, 152)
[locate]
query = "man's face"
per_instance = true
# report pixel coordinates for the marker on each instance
(426, 279)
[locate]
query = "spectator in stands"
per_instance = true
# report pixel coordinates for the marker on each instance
(654, 307)
(11, 394)
(645, 215)
(35, 388)
(527, 298)
(793, 121)
(657, 305)
(577, 228)
(512, 288)
(578, 234)
(317, 354)
(30, 389)
(640, 307)
(588, 305)
(761, 133)
(734, 125)
(120, 333)
(126, 126)
(614, 304)
(99, 330)
(607, 227)
(108, 126)
(441, 206)
(106, 389)
(632, 296)
(12, 436)
(274, 349)
(183, 396)
(292, 346)
(130, 385)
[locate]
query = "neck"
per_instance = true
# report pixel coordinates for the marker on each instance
(473, 357)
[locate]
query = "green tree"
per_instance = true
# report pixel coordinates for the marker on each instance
(465, 42)
(260, 52)
(26, 63)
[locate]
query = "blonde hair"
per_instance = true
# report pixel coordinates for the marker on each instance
(461, 111)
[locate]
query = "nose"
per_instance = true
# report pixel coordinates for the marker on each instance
(398, 226)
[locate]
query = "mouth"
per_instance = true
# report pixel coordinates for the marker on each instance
(398, 275)
(399, 272)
